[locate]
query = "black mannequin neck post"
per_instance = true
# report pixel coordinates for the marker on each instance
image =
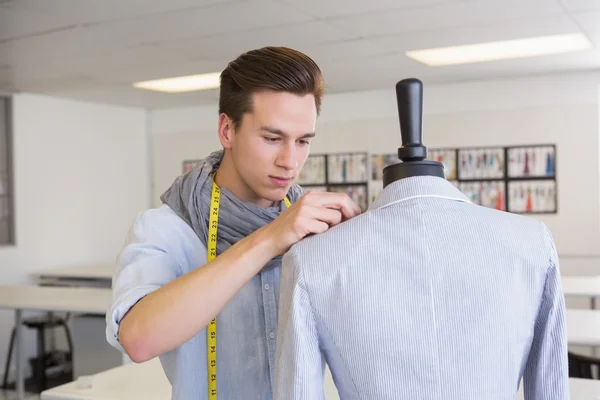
(393, 173)
(409, 94)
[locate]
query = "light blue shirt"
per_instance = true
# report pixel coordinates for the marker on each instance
(424, 296)
(161, 247)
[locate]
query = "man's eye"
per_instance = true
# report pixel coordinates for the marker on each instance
(271, 139)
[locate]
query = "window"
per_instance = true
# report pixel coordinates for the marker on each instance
(7, 236)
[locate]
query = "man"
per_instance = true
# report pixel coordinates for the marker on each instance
(167, 292)
(424, 296)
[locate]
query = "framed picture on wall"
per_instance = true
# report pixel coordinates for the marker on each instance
(375, 189)
(318, 188)
(313, 171)
(358, 193)
(347, 168)
(490, 194)
(379, 162)
(531, 161)
(532, 196)
(188, 165)
(481, 163)
(447, 157)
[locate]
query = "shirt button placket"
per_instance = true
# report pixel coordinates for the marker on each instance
(269, 305)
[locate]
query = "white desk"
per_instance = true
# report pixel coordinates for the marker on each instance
(147, 382)
(583, 327)
(580, 389)
(584, 286)
(43, 298)
(39, 298)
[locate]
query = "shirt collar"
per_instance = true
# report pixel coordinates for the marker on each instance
(418, 186)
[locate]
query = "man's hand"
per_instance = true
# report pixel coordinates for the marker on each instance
(315, 212)
(154, 325)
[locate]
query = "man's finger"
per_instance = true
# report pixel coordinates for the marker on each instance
(327, 215)
(349, 208)
(315, 226)
(335, 200)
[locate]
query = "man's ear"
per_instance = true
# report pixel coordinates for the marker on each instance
(226, 131)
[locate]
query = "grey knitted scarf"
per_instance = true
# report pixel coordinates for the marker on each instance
(189, 196)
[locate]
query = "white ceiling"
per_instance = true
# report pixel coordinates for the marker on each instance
(94, 49)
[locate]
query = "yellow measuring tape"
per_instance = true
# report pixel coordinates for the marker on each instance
(211, 330)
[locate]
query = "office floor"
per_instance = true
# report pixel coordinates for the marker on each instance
(10, 395)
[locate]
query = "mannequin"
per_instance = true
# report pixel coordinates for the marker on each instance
(430, 259)
(409, 95)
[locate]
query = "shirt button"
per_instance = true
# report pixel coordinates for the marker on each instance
(267, 286)
(272, 335)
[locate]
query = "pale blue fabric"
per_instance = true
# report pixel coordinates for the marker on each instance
(161, 247)
(426, 296)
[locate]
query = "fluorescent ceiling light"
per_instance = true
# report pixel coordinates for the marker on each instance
(501, 50)
(182, 83)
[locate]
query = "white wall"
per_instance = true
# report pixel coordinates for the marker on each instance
(81, 176)
(560, 109)
(170, 150)
(573, 128)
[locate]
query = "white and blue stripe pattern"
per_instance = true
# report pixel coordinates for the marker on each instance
(426, 296)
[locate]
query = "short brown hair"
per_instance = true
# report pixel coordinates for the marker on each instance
(278, 69)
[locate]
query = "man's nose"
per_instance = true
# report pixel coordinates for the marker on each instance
(287, 159)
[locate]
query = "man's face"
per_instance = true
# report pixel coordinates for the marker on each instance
(271, 143)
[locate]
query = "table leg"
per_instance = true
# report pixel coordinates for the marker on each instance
(20, 384)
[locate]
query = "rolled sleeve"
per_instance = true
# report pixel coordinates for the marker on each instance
(149, 259)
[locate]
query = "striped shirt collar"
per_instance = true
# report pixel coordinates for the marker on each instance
(418, 186)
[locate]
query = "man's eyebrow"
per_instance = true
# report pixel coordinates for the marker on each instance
(284, 134)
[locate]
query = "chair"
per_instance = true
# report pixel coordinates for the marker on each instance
(43, 360)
